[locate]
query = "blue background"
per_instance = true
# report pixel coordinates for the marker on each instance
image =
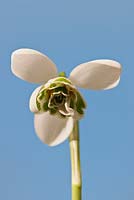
(70, 33)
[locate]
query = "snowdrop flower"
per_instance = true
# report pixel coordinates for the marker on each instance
(57, 103)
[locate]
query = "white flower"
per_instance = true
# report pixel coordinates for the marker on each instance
(57, 103)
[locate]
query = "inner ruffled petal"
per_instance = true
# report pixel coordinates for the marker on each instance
(66, 110)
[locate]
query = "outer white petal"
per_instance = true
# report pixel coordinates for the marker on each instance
(97, 74)
(52, 129)
(32, 66)
(32, 101)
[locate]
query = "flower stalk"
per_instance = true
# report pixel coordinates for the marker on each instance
(75, 163)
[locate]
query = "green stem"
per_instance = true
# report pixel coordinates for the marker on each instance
(75, 163)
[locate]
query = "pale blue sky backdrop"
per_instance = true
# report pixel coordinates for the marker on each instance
(69, 32)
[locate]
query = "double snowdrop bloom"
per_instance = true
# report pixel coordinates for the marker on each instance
(57, 103)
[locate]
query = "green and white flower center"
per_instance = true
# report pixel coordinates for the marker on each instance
(60, 96)
(58, 99)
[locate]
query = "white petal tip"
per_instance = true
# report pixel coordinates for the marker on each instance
(32, 66)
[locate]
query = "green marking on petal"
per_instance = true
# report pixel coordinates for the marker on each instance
(80, 101)
(41, 95)
(46, 95)
(38, 105)
(53, 111)
(62, 79)
(45, 106)
(80, 104)
(72, 105)
(53, 85)
(80, 111)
